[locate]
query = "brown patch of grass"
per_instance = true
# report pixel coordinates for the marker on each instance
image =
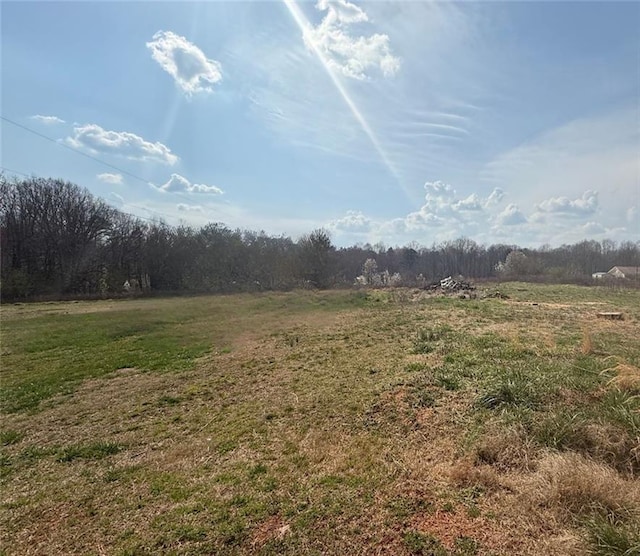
(627, 378)
(448, 526)
(506, 450)
(587, 342)
(272, 528)
(613, 445)
(466, 474)
(572, 485)
(564, 544)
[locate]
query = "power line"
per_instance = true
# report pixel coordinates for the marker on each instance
(94, 158)
(14, 172)
(77, 151)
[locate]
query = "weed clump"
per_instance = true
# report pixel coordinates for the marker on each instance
(427, 545)
(609, 536)
(426, 338)
(466, 474)
(605, 442)
(9, 437)
(96, 450)
(510, 389)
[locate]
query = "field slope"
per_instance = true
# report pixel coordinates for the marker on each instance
(341, 422)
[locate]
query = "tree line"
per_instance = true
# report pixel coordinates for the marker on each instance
(58, 240)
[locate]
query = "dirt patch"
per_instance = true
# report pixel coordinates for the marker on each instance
(449, 526)
(273, 528)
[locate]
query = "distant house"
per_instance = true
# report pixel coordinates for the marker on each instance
(600, 275)
(628, 272)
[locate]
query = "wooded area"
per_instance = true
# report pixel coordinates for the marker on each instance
(58, 240)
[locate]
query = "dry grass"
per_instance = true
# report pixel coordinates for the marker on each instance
(317, 430)
(587, 343)
(627, 378)
(467, 474)
(506, 449)
(573, 486)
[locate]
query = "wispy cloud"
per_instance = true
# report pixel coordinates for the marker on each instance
(329, 64)
(121, 143)
(580, 155)
(178, 183)
(110, 178)
(192, 71)
(415, 127)
(48, 120)
(185, 207)
(118, 200)
(593, 161)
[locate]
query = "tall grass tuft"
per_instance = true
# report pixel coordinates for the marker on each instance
(611, 537)
(587, 342)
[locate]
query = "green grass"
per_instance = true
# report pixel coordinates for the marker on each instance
(313, 422)
(419, 543)
(95, 451)
(9, 437)
(610, 537)
(51, 350)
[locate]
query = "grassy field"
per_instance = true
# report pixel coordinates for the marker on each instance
(379, 422)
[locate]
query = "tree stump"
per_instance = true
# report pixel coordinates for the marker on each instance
(610, 315)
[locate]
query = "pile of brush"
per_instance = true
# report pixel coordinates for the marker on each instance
(450, 284)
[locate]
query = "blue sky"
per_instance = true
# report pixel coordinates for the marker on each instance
(510, 122)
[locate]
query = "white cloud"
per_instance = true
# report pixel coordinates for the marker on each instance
(350, 55)
(445, 216)
(441, 200)
(587, 204)
(184, 207)
(353, 221)
(511, 216)
(495, 198)
(48, 120)
(438, 189)
(110, 178)
(471, 203)
(180, 183)
(121, 143)
(192, 71)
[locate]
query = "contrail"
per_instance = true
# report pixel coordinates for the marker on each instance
(304, 25)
